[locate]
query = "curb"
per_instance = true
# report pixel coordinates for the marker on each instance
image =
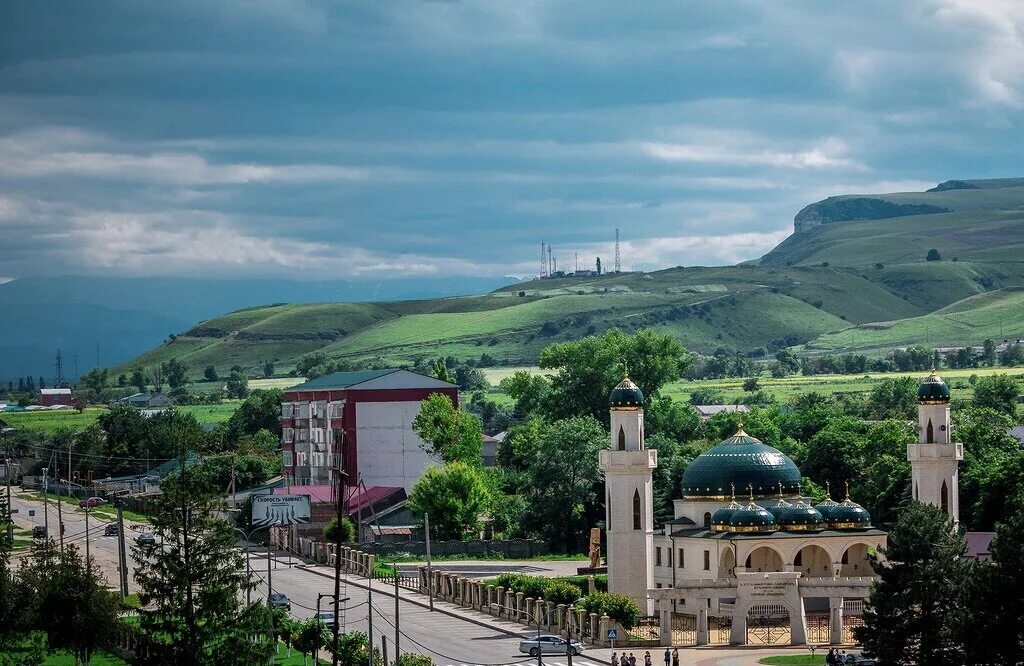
(422, 604)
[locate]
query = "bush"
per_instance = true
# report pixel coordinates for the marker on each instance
(619, 608)
(330, 532)
(561, 592)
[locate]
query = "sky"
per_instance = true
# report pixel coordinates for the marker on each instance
(367, 139)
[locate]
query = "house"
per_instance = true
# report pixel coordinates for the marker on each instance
(145, 483)
(364, 419)
(54, 397)
(490, 450)
(979, 545)
(147, 401)
(705, 412)
(367, 507)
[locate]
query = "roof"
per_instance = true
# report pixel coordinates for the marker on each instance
(358, 499)
(979, 544)
(741, 464)
(344, 380)
(1018, 432)
(55, 391)
(626, 395)
(933, 390)
(701, 533)
(711, 410)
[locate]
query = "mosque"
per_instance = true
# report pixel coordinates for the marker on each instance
(747, 558)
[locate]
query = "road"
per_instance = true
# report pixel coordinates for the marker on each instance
(449, 639)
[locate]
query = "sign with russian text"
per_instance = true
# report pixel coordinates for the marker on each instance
(270, 510)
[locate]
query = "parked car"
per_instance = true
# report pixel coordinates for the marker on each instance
(858, 659)
(110, 530)
(145, 539)
(279, 600)
(327, 617)
(535, 645)
(39, 532)
(91, 502)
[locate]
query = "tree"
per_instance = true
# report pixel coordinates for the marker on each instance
(409, 659)
(933, 255)
(449, 433)
(176, 373)
(915, 613)
(310, 636)
(157, 375)
(94, 384)
(1001, 636)
(237, 386)
(788, 362)
(528, 389)
(565, 494)
(210, 373)
(193, 578)
(354, 650)
(453, 496)
(441, 372)
(587, 370)
(988, 356)
(998, 392)
(751, 384)
(894, 397)
(268, 369)
(261, 410)
(348, 531)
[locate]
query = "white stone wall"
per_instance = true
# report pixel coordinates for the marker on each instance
(630, 550)
(631, 424)
(389, 452)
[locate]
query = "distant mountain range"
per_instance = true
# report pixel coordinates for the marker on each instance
(124, 317)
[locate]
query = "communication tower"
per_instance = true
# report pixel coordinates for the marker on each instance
(618, 257)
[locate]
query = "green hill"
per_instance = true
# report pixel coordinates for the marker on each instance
(996, 315)
(847, 282)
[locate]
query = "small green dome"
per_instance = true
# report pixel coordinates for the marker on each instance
(827, 509)
(752, 518)
(626, 395)
(933, 390)
(722, 518)
(799, 517)
(850, 516)
(744, 461)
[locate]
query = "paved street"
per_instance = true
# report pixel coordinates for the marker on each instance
(450, 638)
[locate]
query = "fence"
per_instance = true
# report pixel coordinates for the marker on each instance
(512, 549)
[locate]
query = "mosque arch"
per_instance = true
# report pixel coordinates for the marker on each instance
(930, 433)
(727, 564)
(764, 558)
(855, 561)
(622, 439)
(813, 560)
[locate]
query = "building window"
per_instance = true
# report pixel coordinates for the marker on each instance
(622, 439)
(669, 549)
(707, 520)
(707, 560)
(931, 432)
(287, 458)
(944, 498)
(637, 516)
(287, 434)
(682, 560)
(658, 585)
(657, 556)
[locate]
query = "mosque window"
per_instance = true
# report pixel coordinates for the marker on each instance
(622, 439)
(931, 432)
(682, 559)
(707, 520)
(657, 556)
(944, 498)
(707, 560)
(636, 510)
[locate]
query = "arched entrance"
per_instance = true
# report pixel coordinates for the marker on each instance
(764, 558)
(768, 624)
(855, 561)
(727, 564)
(814, 561)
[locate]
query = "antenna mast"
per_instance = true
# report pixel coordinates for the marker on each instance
(550, 261)
(543, 260)
(58, 379)
(618, 257)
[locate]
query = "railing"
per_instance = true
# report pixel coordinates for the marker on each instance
(646, 632)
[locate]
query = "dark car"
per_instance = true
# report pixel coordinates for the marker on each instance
(278, 600)
(39, 532)
(91, 502)
(857, 659)
(110, 530)
(145, 539)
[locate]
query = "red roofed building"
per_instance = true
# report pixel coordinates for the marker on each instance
(50, 397)
(363, 417)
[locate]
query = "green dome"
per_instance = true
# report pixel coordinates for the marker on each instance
(745, 461)
(827, 509)
(626, 395)
(850, 516)
(933, 390)
(721, 519)
(799, 516)
(752, 518)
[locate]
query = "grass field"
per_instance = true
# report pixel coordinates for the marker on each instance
(48, 422)
(793, 659)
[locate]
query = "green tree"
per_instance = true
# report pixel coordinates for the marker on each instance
(671, 418)
(237, 386)
(933, 255)
(998, 392)
(354, 650)
(268, 369)
(565, 481)
(519, 447)
(999, 611)
(311, 636)
(348, 531)
(528, 389)
(454, 496)
(915, 613)
(210, 373)
(894, 398)
(261, 410)
(442, 372)
(94, 384)
(836, 453)
(587, 370)
(409, 659)
(192, 580)
(176, 373)
(789, 364)
(138, 379)
(988, 356)
(448, 433)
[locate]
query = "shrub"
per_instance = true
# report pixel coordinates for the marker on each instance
(619, 608)
(330, 531)
(561, 592)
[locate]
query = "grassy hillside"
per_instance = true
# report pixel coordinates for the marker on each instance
(828, 288)
(995, 315)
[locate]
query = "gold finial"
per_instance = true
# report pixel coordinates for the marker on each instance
(750, 488)
(625, 370)
(732, 485)
(847, 491)
(780, 490)
(828, 489)
(739, 430)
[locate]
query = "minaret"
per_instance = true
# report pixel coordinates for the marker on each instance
(629, 498)
(935, 457)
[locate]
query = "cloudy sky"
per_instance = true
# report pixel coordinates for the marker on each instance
(315, 139)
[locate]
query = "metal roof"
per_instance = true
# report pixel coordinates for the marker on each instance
(343, 380)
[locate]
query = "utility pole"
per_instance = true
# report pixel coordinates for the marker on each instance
(10, 518)
(46, 507)
(369, 603)
(337, 557)
(122, 559)
(430, 575)
(397, 632)
(86, 537)
(60, 518)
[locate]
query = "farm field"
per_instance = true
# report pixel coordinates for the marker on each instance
(48, 422)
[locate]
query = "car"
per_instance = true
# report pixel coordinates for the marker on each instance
(39, 532)
(279, 600)
(535, 645)
(145, 539)
(110, 530)
(91, 502)
(858, 659)
(327, 617)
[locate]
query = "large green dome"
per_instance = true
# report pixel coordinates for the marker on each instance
(933, 390)
(626, 395)
(744, 461)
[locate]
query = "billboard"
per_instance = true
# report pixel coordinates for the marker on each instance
(280, 510)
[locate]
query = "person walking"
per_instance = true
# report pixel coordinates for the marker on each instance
(668, 656)
(675, 657)
(830, 658)
(632, 659)
(647, 658)
(615, 659)
(623, 660)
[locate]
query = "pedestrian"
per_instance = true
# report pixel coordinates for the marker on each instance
(615, 659)
(623, 660)
(647, 658)
(830, 658)
(632, 659)
(675, 657)
(668, 656)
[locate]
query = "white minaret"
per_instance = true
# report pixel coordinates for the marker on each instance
(935, 458)
(629, 498)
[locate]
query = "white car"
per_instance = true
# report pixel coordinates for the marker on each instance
(535, 645)
(327, 617)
